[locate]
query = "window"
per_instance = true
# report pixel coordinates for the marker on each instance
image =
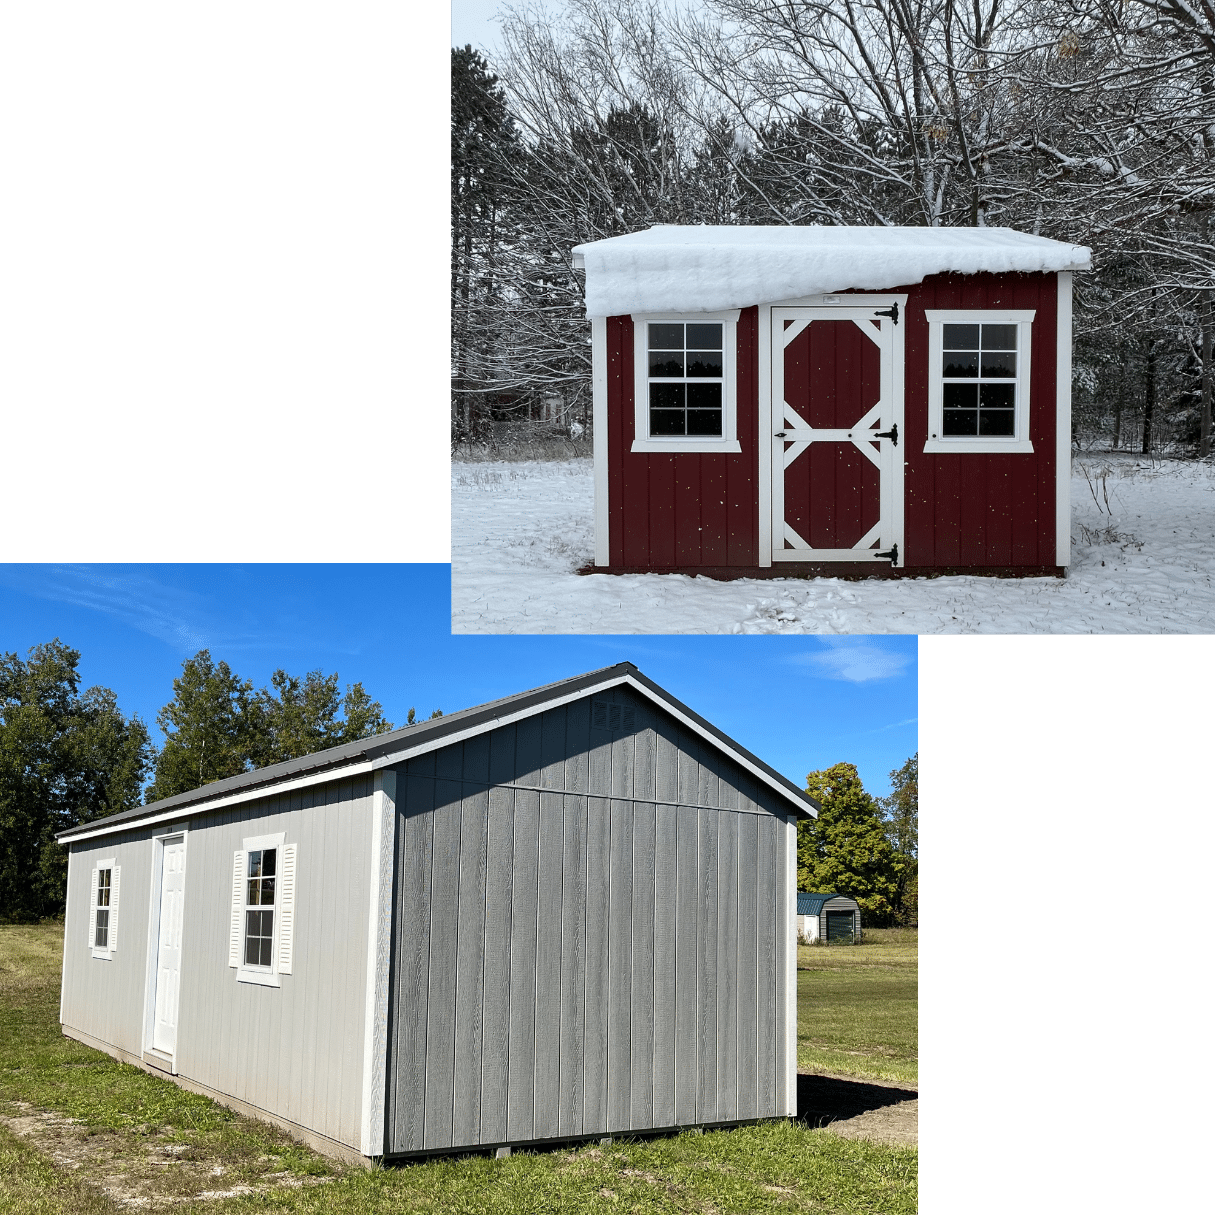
(103, 909)
(262, 934)
(259, 908)
(978, 382)
(101, 939)
(684, 382)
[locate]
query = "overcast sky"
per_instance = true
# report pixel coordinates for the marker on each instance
(798, 703)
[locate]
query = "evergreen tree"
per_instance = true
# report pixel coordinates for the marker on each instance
(846, 849)
(65, 758)
(901, 814)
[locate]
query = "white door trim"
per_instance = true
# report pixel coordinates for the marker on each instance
(180, 833)
(889, 336)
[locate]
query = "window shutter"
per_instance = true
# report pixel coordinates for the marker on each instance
(92, 917)
(238, 906)
(286, 909)
(114, 875)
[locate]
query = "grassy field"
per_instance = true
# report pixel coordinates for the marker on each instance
(103, 1136)
(856, 1007)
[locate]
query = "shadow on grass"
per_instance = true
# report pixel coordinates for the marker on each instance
(824, 1099)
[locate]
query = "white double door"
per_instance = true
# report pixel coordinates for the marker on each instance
(168, 946)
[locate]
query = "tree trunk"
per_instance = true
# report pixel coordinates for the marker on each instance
(1149, 404)
(1204, 442)
(1121, 396)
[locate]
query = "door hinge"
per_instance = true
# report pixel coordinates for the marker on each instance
(892, 434)
(892, 312)
(893, 554)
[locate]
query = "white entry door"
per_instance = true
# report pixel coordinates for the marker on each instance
(837, 410)
(168, 950)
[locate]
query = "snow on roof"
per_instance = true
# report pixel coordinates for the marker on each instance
(674, 268)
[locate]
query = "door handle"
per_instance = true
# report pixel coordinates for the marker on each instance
(892, 434)
(779, 435)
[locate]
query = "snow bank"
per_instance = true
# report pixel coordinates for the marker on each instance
(670, 268)
(1142, 564)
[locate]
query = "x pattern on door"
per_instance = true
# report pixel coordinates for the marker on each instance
(828, 507)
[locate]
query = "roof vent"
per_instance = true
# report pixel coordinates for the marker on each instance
(612, 717)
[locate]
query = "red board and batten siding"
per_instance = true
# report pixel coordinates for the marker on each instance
(972, 509)
(682, 509)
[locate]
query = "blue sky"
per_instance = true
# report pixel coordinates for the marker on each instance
(798, 702)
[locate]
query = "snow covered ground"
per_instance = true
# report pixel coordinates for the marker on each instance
(1143, 561)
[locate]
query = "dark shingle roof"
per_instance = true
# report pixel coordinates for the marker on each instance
(812, 904)
(426, 735)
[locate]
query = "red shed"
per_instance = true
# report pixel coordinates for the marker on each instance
(831, 400)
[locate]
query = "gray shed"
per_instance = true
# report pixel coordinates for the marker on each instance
(563, 914)
(833, 918)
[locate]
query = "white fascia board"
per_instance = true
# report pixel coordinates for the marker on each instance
(366, 767)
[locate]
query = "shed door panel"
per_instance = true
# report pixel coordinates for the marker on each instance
(833, 396)
(840, 925)
(168, 949)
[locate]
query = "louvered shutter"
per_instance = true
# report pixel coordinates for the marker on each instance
(238, 906)
(286, 909)
(114, 876)
(92, 916)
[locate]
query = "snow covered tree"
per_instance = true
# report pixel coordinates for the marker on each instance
(847, 849)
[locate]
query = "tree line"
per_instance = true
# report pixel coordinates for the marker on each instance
(68, 757)
(1090, 121)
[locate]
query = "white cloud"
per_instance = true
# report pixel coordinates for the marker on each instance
(856, 660)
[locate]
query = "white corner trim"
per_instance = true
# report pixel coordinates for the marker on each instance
(724, 443)
(763, 446)
(599, 435)
(379, 937)
(1063, 422)
(791, 982)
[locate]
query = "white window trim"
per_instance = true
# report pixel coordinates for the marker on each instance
(265, 976)
(728, 442)
(1019, 442)
(107, 954)
(179, 832)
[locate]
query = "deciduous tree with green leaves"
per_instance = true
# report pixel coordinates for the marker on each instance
(65, 758)
(846, 849)
(901, 814)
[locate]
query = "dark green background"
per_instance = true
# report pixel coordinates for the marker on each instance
(225, 281)
(1066, 955)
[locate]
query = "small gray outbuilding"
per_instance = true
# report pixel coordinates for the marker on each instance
(564, 914)
(833, 918)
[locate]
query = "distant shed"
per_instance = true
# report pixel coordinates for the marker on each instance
(559, 915)
(846, 401)
(833, 918)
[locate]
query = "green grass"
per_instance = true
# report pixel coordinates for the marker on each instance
(775, 1166)
(856, 1007)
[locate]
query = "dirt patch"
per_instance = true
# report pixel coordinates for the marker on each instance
(857, 1109)
(143, 1169)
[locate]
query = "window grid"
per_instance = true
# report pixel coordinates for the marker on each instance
(101, 937)
(979, 380)
(259, 904)
(686, 368)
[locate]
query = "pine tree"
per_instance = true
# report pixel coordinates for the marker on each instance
(846, 849)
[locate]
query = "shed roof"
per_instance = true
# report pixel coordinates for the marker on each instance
(679, 268)
(812, 904)
(385, 750)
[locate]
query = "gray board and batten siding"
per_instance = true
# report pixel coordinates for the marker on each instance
(587, 932)
(563, 914)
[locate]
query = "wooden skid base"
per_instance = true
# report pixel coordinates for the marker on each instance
(851, 571)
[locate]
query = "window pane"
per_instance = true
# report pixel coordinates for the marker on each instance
(962, 337)
(102, 938)
(666, 363)
(268, 862)
(252, 899)
(961, 396)
(267, 890)
(704, 396)
(103, 888)
(252, 951)
(265, 958)
(252, 921)
(704, 364)
(704, 421)
(666, 396)
(666, 422)
(267, 923)
(666, 337)
(997, 396)
(704, 337)
(998, 422)
(255, 864)
(999, 337)
(961, 364)
(960, 422)
(999, 363)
